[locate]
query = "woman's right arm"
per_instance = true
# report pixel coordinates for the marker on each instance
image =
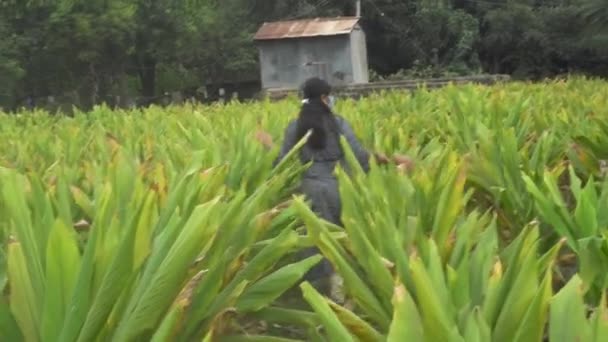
(363, 155)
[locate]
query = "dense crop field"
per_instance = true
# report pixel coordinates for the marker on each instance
(169, 224)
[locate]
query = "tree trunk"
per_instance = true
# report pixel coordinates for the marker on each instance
(147, 76)
(495, 65)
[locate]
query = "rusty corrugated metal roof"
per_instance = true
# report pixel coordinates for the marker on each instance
(306, 28)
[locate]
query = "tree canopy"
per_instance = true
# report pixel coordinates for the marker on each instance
(90, 50)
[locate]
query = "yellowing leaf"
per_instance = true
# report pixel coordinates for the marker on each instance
(407, 323)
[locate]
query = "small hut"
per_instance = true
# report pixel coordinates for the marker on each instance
(331, 48)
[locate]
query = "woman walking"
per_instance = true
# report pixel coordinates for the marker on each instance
(323, 149)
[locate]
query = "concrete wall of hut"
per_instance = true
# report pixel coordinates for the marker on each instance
(359, 56)
(287, 63)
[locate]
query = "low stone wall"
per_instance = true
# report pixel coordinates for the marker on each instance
(359, 90)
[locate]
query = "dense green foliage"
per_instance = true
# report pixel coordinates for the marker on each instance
(169, 224)
(86, 52)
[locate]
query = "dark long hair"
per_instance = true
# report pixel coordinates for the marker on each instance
(315, 115)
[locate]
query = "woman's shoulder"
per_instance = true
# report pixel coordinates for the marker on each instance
(339, 118)
(342, 121)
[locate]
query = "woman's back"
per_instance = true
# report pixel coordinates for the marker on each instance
(325, 159)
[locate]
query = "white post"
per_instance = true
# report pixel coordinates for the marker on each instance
(358, 8)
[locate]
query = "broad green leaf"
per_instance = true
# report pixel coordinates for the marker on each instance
(206, 306)
(9, 329)
(407, 323)
(81, 297)
(168, 277)
(599, 321)
(118, 274)
(435, 318)
(585, 213)
(358, 327)
(437, 276)
(256, 338)
(547, 209)
(62, 268)
(14, 200)
(449, 207)
(269, 288)
(501, 287)
(335, 330)
(82, 200)
(22, 297)
(593, 261)
(532, 326)
(477, 330)
(568, 314)
(519, 295)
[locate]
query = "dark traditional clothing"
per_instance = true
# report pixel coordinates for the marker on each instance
(319, 184)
